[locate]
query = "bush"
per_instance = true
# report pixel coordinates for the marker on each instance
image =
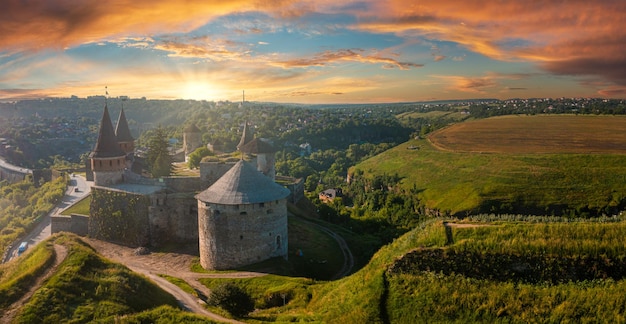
(232, 299)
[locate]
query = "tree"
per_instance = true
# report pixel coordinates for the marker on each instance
(158, 156)
(193, 161)
(232, 298)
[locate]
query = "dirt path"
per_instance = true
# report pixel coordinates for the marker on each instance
(60, 253)
(172, 264)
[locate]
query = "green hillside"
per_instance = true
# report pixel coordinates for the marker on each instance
(85, 287)
(510, 272)
(469, 181)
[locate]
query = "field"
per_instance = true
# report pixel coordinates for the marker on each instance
(536, 134)
(542, 165)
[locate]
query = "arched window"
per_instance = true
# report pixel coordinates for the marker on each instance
(278, 242)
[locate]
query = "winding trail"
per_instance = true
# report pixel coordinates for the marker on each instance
(348, 258)
(171, 264)
(60, 253)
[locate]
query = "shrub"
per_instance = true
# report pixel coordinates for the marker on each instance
(232, 299)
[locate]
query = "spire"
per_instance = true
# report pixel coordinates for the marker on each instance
(122, 132)
(246, 137)
(106, 146)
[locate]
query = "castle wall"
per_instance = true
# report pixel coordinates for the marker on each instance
(231, 236)
(183, 184)
(77, 224)
(13, 173)
(295, 186)
(212, 171)
(119, 216)
(135, 219)
(173, 218)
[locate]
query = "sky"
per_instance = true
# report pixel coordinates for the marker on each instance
(320, 51)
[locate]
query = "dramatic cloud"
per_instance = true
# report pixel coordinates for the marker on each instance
(576, 37)
(306, 48)
(354, 55)
(41, 24)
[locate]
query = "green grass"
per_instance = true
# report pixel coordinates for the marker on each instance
(87, 287)
(268, 292)
(182, 284)
(80, 208)
(160, 315)
(17, 276)
(465, 182)
(442, 295)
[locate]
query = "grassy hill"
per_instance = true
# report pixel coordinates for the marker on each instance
(502, 165)
(440, 272)
(512, 272)
(85, 287)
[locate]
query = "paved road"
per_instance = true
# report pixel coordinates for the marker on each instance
(9, 166)
(77, 189)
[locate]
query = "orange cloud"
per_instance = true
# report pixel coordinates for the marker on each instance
(203, 47)
(41, 24)
(354, 55)
(576, 37)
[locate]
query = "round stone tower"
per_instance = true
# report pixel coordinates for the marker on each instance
(192, 138)
(108, 160)
(242, 219)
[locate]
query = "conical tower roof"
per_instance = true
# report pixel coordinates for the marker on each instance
(246, 137)
(258, 146)
(191, 128)
(106, 146)
(122, 132)
(243, 184)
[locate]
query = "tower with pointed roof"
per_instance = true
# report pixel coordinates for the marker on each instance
(108, 160)
(122, 134)
(242, 219)
(265, 155)
(192, 139)
(246, 136)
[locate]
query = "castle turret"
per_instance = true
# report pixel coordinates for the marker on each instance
(265, 155)
(123, 136)
(242, 219)
(108, 160)
(246, 136)
(192, 139)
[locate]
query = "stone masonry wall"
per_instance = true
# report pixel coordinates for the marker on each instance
(119, 217)
(235, 235)
(173, 219)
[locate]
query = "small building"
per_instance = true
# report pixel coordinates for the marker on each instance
(329, 195)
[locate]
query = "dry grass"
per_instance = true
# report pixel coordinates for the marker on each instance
(536, 134)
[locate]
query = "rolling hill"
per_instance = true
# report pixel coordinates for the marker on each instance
(561, 164)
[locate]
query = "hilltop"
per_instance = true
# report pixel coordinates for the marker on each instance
(538, 165)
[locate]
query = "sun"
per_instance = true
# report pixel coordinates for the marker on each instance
(199, 91)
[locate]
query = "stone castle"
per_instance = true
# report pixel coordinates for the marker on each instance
(234, 211)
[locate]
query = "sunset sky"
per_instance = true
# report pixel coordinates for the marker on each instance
(313, 51)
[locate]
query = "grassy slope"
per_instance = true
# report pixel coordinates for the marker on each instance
(463, 181)
(377, 295)
(88, 287)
